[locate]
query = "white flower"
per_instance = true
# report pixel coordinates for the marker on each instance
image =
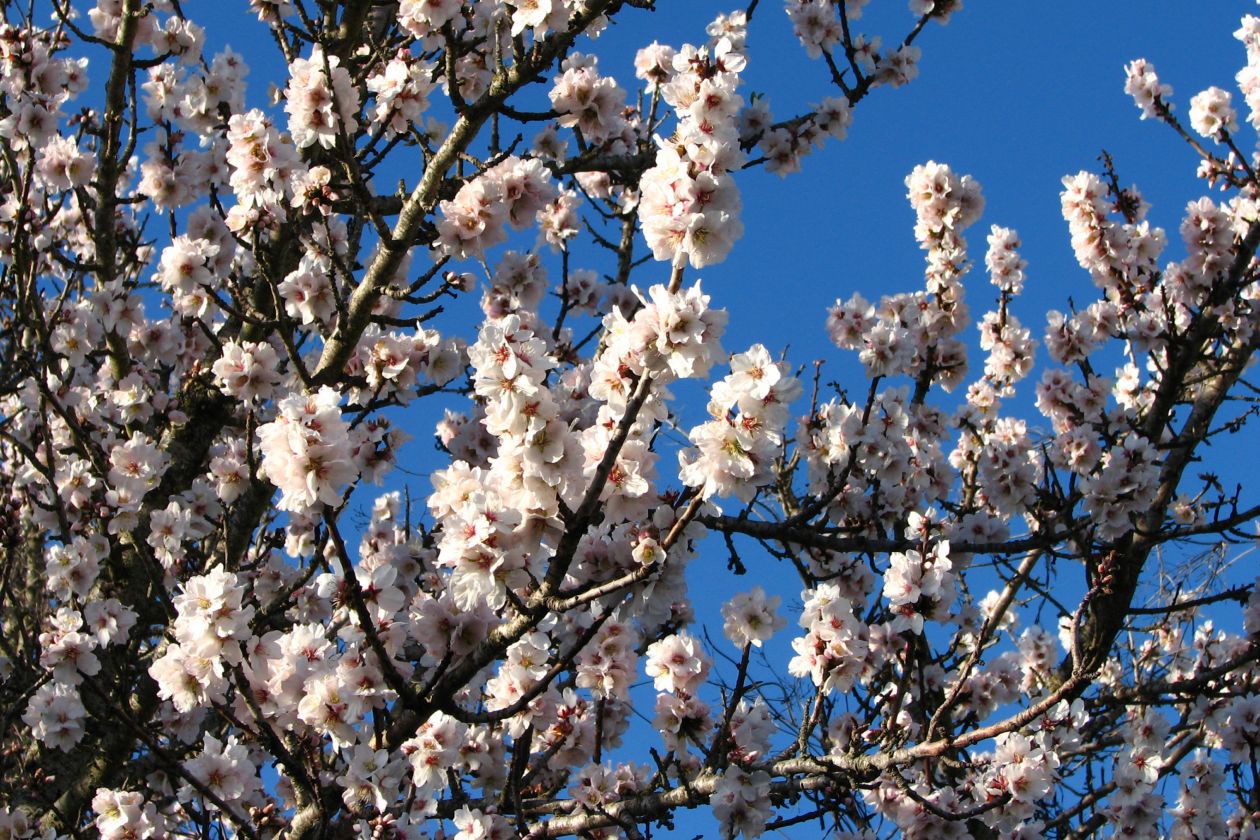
(677, 664)
(225, 769)
(750, 618)
(136, 466)
(248, 371)
(306, 450)
(318, 111)
(1212, 113)
(741, 802)
(55, 715)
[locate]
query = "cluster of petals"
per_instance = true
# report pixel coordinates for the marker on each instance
(735, 451)
(321, 100)
(306, 450)
(689, 203)
(510, 194)
(832, 651)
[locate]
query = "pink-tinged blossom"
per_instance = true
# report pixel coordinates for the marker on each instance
(187, 273)
(913, 578)
(1024, 770)
(479, 825)
(306, 450)
(63, 165)
(212, 615)
(654, 64)
(558, 220)
(526, 188)
(307, 291)
(229, 470)
(1144, 86)
(68, 653)
(689, 219)
(732, 27)
(1006, 267)
(55, 715)
(939, 10)
(750, 618)
(734, 452)
(225, 769)
(832, 651)
(321, 100)
(474, 220)
(689, 203)
(423, 17)
(899, 67)
(1124, 485)
(125, 815)
(168, 529)
(677, 664)
(944, 202)
(584, 100)
(330, 707)
(72, 569)
(518, 606)
(741, 803)
(109, 620)
(608, 665)
(815, 24)
(1211, 112)
(541, 16)
(187, 680)
(433, 749)
(263, 167)
(249, 371)
(682, 720)
(401, 87)
(678, 331)
(833, 116)
(136, 466)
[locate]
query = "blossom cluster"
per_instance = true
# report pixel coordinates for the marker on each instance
(735, 451)
(690, 204)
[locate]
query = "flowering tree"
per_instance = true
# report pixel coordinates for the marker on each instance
(214, 319)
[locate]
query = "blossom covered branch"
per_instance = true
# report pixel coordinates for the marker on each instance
(216, 329)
